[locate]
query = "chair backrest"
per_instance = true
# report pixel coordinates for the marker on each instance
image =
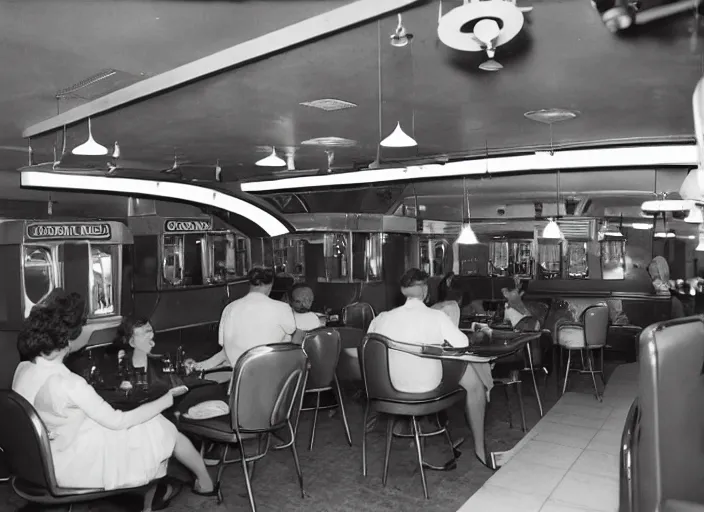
(25, 441)
(322, 346)
(670, 453)
(374, 362)
(265, 383)
(358, 314)
(527, 324)
(596, 324)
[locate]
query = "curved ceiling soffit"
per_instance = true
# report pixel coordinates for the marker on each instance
(255, 216)
(313, 28)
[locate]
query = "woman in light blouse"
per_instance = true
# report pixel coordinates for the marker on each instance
(127, 449)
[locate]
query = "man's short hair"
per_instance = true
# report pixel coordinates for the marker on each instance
(414, 277)
(260, 276)
(300, 286)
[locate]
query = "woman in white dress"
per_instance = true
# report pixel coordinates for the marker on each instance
(92, 444)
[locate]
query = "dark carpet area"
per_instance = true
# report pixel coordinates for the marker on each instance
(332, 471)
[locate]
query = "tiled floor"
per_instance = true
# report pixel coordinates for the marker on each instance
(569, 460)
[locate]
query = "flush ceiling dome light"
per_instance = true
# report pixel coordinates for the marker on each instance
(552, 230)
(398, 139)
(551, 115)
(272, 160)
(90, 147)
(488, 34)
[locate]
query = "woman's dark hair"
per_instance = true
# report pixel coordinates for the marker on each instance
(444, 287)
(126, 330)
(44, 331)
(71, 306)
(260, 276)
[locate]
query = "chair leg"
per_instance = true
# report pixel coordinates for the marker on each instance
(592, 372)
(315, 420)
(508, 405)
(148, 498)
(601, 366)
(221, 465)
(297, 463)
(419, 450)
(455, 452)
(299, 410)
(557, 365)
(535, 383)
(567, 370)
(519, 390)
(248, 483)
(342, 411)
(364, 439)
(390, 422)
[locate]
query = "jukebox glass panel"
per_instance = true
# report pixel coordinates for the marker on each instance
(549, 259)
(578, 267)
(521, 258)
(498, 257)
(613, 260)
(39, 275)
(104, 279)
(435, 256)
(336, 255)
(289, 255)
(366, 260)
(229, 257)
(186, 260)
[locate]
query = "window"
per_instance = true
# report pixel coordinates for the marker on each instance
(40, 275)
(335, 253)
(103, 279)
(229, 256)
(498, 258)
(366, 260)
(173, 260)
(289, 255)
(578, 267)
(613, 261)
(521, 258)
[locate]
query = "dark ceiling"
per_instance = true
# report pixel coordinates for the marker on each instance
(635, 87)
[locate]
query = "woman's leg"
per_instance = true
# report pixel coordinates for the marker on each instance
(187, 455)
(475, 408)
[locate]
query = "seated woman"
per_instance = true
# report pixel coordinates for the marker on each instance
(126, 449)
(133, 345)
(659, 272)
(449, 300)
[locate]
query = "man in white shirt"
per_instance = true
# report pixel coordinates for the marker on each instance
(416, 323)
(255, 319)
(301, 302)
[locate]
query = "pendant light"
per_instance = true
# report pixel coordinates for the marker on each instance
(486, 31)
(90, 147)
(400, 37)
(552, 230)
(695, 215)
(398, 138)
(467, 236)
(272, 160)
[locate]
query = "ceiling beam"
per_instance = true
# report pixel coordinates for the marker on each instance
(324, 24)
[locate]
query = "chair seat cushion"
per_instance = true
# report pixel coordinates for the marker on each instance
(217, 429)
(421, 404)
(571, 336)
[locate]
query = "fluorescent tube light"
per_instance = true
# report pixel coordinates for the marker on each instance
(164, 189)
(608, 158)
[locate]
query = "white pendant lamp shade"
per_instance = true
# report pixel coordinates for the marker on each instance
(695, 215)
(486, 31)
(272, 160)
(90, 147)
(467, 236)
(552, 230)
(398, 139)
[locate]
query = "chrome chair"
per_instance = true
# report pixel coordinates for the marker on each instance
(265, 383)
(322, 346)
(25, 442)
(382, 397)
(359, 315)
(587, 335)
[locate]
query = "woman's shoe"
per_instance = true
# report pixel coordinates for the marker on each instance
(209, 494)
(165, 492)
(490, 461)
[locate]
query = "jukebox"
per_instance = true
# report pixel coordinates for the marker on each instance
(82, 257)
(186, 268)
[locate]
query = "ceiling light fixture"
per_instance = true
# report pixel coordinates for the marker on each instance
(270, 224)
(665, 234)
(398, 139)
(467, 236)
(700, 247)
(272, 160)
(90, 147)
(609, 230)
(487, 31)
(400, 37)
(552, 230)
(551, 115)
(606, 158)
(338, 142)
(695, 215)
(641, 225)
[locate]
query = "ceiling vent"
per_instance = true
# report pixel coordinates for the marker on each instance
(99, 84)
(576, 229)
(337, 142)
(329, 104)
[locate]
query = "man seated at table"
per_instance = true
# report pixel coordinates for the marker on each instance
(416, 323)
(255, 319)
(301, 302)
